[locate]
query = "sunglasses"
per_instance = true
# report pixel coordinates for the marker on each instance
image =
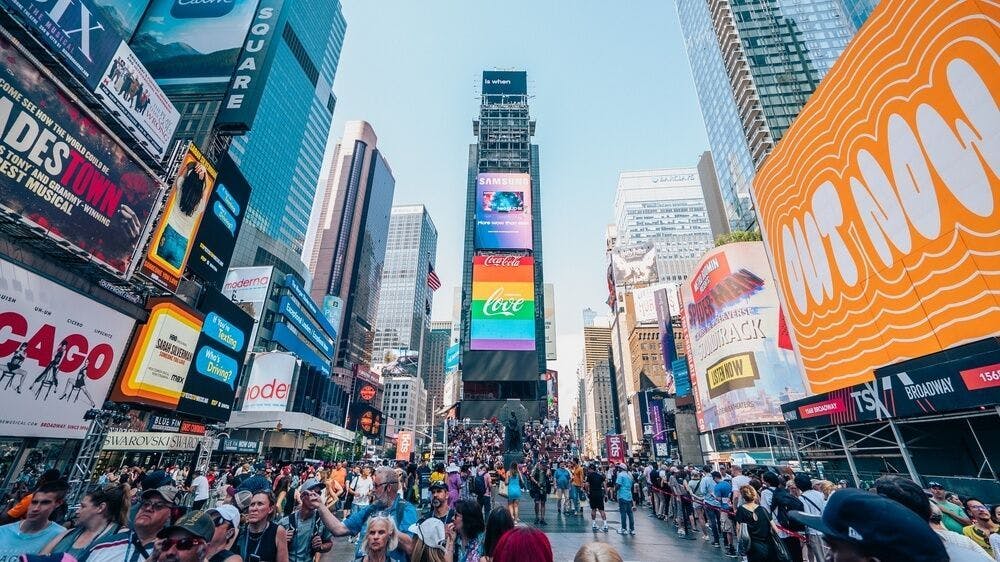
(187, 543)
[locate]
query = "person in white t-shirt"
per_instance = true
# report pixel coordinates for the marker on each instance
(739, 480)
(362, 490)
(814, 504)
(201, 490)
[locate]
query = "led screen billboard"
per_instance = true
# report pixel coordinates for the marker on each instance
(503, 211)
(174, 234)
(213, 245)
(505, 82)
(63, 174)
(634, 265)
(194, 44)
(249, 287)
(881, 203)
(210, 387)
(59, 352)
(741, 374)
(503, 303)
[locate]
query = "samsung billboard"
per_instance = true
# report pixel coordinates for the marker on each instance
(503, 211)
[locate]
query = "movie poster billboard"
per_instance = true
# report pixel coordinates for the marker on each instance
(634, 266)
(503, 211)
(731, 320)
(664, 321)
(270, 383)
(160, 356)
(62, 173)
(128, 90)
(216, 239)
(249, 287)
(210, 387)
(397, 362)
(880, 205)
(503, 303)
(58, 356)
(193, 44)
(174, 234)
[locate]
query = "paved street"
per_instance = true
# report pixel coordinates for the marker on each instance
(654, 541)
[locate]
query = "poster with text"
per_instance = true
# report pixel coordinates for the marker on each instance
(63, 174)
(213, 245)
(270, 382)
(59, 352)
(503, 303)
(249, 287)
(503, 211)
(731, 321)
(174, 235)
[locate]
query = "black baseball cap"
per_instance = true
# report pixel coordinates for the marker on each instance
(437, 486)
(879, 526)
(933, 484)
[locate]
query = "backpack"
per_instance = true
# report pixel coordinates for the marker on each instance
(654, 477)
(781, 504)
(479, 485)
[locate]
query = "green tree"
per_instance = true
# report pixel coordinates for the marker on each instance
(738, 236)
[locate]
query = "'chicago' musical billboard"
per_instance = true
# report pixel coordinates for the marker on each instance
(503, 303)
(740, 372)
(62, 173)
(59, 352)
(881, 203)
(503, 211)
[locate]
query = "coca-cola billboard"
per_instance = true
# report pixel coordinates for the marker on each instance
(503, 303)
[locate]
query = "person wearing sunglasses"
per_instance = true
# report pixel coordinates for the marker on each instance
(185, 541)
(134, 544)
(385, 501)
(226, 520)
(307, 536)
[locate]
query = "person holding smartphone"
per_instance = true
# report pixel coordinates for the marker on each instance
(264, 540)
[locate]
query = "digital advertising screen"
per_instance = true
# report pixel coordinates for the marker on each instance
(503, 303)
(880, 205)
(503, 211)
(213, 245)
(741, 374)
(505, 82)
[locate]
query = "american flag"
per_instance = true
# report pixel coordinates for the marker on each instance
(433, 281)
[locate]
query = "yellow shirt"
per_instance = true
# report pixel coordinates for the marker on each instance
(437, 477)
(977, 537)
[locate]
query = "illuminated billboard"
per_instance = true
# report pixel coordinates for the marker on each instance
(503, 211)
(213, 245)
(741, 374)
(63, 175)
(505, 82)
(881, 203)
(634, 266)
(174, 235)
(503, 303)
(270, 383)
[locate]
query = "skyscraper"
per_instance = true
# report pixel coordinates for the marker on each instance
(503, 328)
(404, 305)
(666, 209)
(755, 64)
(282, 154)
(348, 250)
(432, 362)
(857, 11)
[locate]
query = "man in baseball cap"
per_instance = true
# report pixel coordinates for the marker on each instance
(226, 520)
(860, 526)
(439, 504)
(186, 540)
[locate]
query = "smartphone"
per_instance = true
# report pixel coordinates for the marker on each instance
(253, 558)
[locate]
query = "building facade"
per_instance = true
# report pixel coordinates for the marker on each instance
(404, 305)
(599, 406)
(347, 252)
(857, 11)
(405, 401)
(432, 363)
(495, 368)
(282, 154)
(755, 64)
(666, 209)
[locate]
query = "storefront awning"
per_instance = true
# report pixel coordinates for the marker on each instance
(290, 421)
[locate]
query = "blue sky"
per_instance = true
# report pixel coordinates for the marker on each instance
(612, 91)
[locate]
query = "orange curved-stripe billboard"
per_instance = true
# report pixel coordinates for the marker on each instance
(881, 206)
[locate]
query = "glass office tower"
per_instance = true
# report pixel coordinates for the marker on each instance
(755, 64)
(282, 154)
